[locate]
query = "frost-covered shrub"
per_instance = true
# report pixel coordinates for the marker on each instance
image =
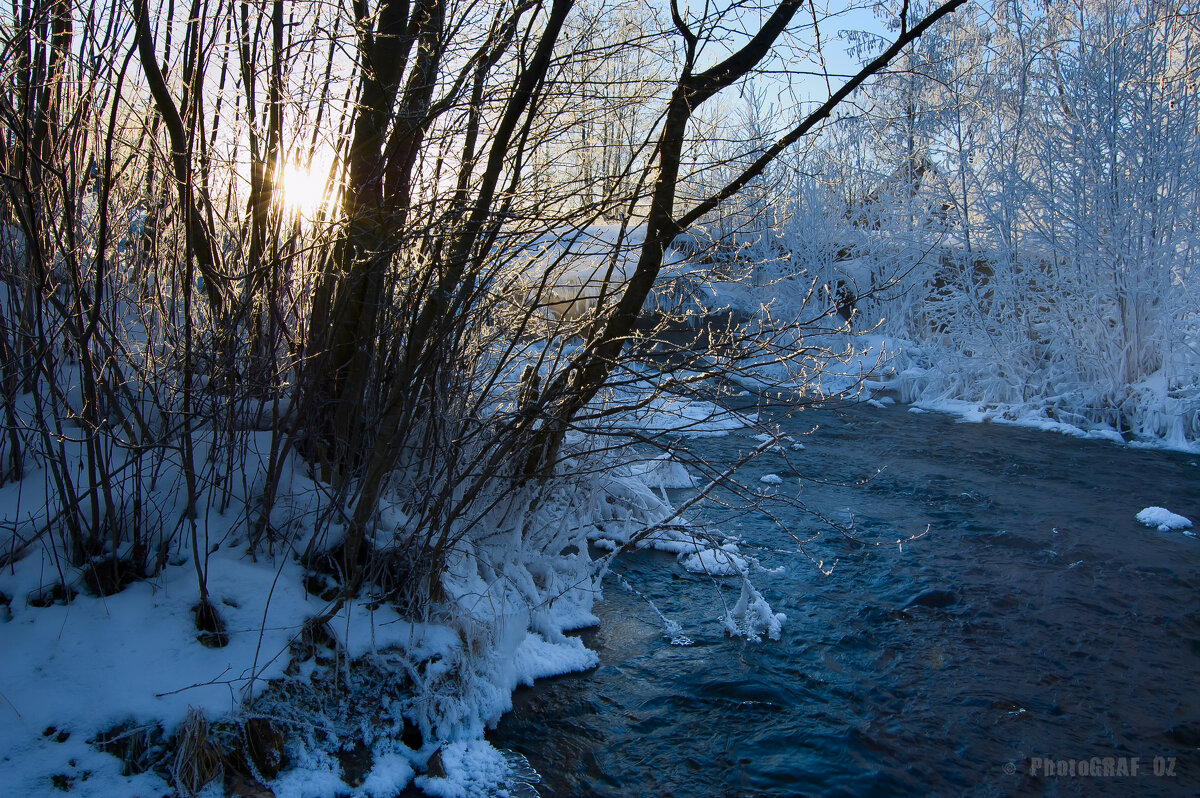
(1064, 164)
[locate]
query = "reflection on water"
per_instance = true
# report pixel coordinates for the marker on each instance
(1037, 619)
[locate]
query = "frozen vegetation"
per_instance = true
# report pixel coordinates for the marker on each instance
(1020, 237)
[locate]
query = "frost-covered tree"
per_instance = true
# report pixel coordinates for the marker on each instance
(1063, 139)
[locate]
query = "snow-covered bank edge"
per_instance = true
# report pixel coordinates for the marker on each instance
(1152, 418)
(99, 691)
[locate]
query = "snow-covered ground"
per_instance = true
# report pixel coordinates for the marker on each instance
(94, 672)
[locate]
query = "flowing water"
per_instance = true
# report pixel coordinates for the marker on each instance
(1036, 627)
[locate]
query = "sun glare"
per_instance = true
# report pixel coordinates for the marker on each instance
(304, 189)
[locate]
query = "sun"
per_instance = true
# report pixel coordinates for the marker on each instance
(304, 189)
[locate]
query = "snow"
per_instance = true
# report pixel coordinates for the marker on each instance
(753, 617)
(86, 666)
(662, 414)
(312, 781)
(1163, 519)
(390, 774)
(537, 658)
(474, 769)
(1003, 376)
(771, 479)
(722, 561)
(1150, 414)
(661, 472)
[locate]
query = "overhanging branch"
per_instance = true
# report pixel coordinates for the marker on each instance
(906, 38)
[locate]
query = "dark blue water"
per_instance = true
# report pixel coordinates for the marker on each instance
(1037, 625)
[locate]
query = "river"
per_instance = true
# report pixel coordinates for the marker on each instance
(1036, 628)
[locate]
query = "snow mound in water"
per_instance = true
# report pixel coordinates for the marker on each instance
(1163, 518)
(724, 561)
(753, 617)
(474, 769)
